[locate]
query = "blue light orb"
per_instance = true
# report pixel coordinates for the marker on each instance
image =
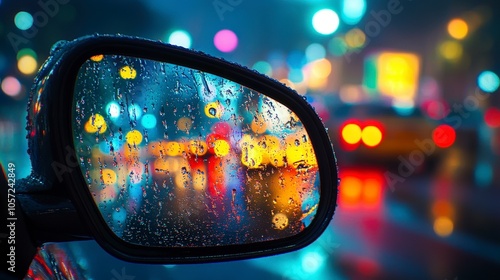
(353, 11)
(180, 38)
(23, 20)
(113, 110)
(263, 67)
(148, 121)
(488, 81)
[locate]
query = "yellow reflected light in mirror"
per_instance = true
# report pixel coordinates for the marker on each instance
(108, 176)
(134, 137)
(280, 221)
(96, 123)
(197, 147)
(127, 72)
(97, 58)
(221, 148)
(251, 152)
(173, 149)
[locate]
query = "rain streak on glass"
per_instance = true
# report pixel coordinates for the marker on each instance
(178, 157)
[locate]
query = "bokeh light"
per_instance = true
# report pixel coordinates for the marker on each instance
(451, 50)
(353, 11)
(127, 72)
(96, 123)
(315, 51)
(97, 58)
(184, 124)
(351, 133)
(134, 111)
(180, 38)
(488, 81)
(263, 67)
(108, 176)
(371, 136)
(148, 121)
(492, 117)
(23, 20)
(355, 38)
(221, 147)
(134, 137)
(26, 51)
(321, 68)
(27, 65)
(325, 21)
(458, 28)
(444, 136)
(113, 109)
(11, 86)
(225, 40)
(443, 226)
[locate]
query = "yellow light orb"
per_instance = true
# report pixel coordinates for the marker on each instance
(197, 147)
(134, 137)
(321, 69)
(443, 226)
(277, 158)
(127, 72)
(96, 123)
(351, 188)
(355, 38)
(451, 50)
(351, 133)
(27, 64)
(251, 154)
(280, 221)
(221, 148)
(299, 151)
(458, 28)
(173, 149)
(97, 58)
(108, 176)
(371, 136)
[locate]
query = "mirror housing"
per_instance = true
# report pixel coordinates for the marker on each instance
(56, 165)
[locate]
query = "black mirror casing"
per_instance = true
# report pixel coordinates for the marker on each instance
(55, 164)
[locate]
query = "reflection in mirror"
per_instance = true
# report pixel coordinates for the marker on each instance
(175, 157)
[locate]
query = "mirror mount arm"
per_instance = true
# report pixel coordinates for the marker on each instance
(52, 218)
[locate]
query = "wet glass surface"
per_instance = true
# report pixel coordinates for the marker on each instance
(177, 157)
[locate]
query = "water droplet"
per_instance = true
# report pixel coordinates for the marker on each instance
(212, 111)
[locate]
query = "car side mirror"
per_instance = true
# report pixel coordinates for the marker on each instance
(180, 157)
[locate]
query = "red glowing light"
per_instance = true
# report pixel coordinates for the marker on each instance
(444, 136)
(492, 117)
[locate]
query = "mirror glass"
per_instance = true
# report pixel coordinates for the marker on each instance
(176, 157)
